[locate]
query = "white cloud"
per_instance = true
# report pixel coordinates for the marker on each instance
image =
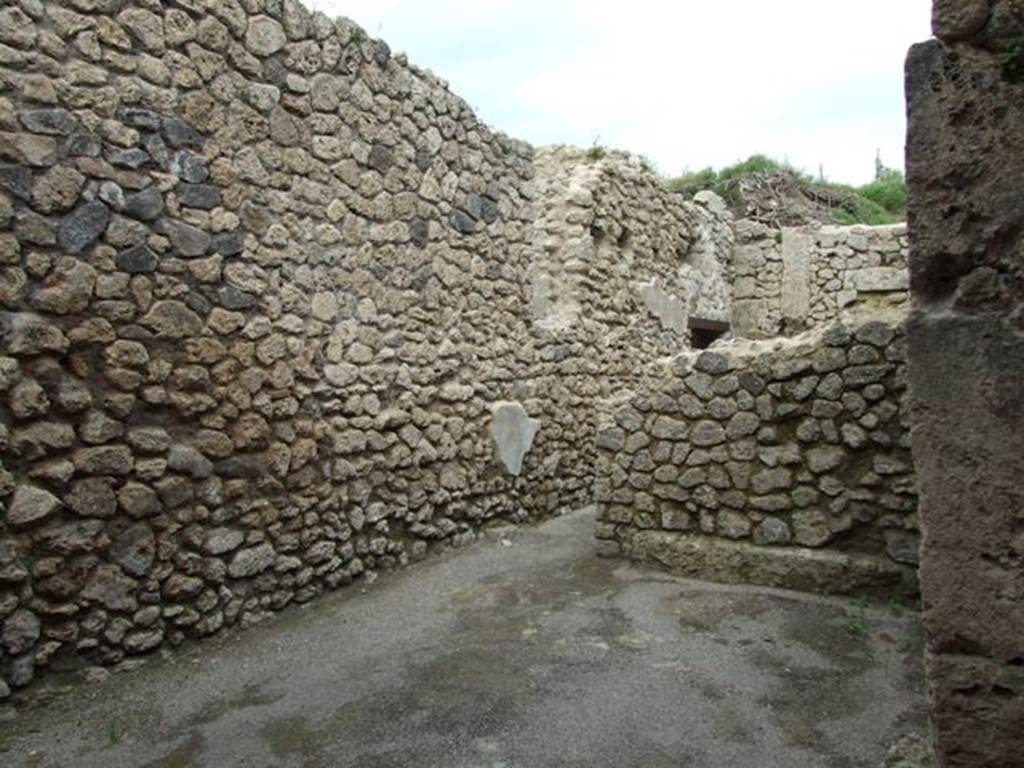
(689, 84)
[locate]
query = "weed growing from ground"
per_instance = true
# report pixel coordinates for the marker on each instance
(856, 617)
(1012, 58)
(895, 608)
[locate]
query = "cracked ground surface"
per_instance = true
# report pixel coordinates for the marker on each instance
(525, 650)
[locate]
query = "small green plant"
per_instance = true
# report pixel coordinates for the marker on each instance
(1011, 56)
(647, 164)
(356, 36)
(895, 608)
(596, 151)
(861, 210)
(692, 182)
(906, 644)
(856, 617)
(844, 217)
(888, 191)
(115, 732)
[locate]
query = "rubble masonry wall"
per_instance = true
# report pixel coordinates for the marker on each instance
(278, 312)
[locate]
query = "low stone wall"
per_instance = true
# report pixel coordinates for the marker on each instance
(785, 463)
(786, 281)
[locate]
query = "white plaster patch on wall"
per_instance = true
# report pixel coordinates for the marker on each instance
(552, 306)
(513, 431)
(668, 309)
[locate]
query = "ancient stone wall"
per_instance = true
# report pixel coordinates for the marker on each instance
(277, 311)
(965, 162)
(792, 279)
(610, 238)
(783, 462)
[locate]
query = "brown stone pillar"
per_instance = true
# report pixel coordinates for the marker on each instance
(965, 168)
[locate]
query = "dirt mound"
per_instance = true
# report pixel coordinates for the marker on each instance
(781, 198)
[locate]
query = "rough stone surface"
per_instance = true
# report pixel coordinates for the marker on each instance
(146, 205)
(249, 562)
(83, 226)
(137, 259)
(172, 319)
(954, 20)
(966, 361)
(28, 149)
(265, 36)
(110, 587)
(20, 631)
(188, 240)
(134, 550)
(30, 505)
(67, 289)
(57, 190)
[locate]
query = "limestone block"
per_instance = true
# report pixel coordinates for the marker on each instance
(881, 279)
(796, 259)
(788, 567)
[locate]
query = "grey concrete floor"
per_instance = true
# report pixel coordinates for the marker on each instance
(524, 650)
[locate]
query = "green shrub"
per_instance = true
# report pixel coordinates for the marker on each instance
(869, 212)
(692, 182)
(753, 164)
(597, 150)
(889, 191)
(855, 208)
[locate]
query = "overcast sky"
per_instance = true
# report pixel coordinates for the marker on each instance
(688, 83)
